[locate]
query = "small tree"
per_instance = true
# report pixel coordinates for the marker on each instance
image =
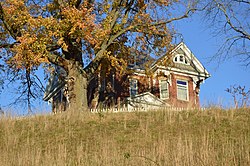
(240, 96)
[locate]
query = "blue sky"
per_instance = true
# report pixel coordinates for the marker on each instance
(198, 37)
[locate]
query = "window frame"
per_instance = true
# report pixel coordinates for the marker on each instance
(183, 87)
(132, 88)
(161, 90)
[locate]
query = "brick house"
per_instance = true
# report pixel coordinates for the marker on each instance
(172, 80)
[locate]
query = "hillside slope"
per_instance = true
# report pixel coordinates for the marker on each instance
(211, 137)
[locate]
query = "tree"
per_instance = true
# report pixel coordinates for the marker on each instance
(230, 21)
(240, 96)
(67, 32)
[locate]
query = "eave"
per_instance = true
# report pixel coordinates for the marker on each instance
(205, 74)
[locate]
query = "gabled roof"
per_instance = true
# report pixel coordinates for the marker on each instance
(146, 100)
(193, 66)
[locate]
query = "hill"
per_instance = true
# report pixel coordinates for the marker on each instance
(211, 137)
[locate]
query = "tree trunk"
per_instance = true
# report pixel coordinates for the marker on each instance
(77, 88)
(76, 82)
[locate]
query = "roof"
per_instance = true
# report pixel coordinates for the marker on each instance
(146, 100)
(193, 65)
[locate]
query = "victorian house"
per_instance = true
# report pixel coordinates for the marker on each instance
(173, 80)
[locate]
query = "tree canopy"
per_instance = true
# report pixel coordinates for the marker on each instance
(66, 33)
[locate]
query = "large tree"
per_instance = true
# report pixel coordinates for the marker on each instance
(230, 21)
(66, 32)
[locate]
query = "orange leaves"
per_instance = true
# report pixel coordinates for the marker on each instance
(35, 33)
(12, 10)
(165, 2)
(30, 52)
(66, 25)
(78, 24)
(23, 28)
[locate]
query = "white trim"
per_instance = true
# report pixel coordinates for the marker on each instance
(187, 89)
(183, 71)
(154, 82)
(139, 74)
(149, 83)
(190, 56)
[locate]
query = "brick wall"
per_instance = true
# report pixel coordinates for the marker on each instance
(150, 84)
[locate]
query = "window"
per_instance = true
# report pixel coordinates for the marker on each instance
(186, 62)
(176, 59)
(133, 87)
(164, 89)
(181, 59)
(182, 90)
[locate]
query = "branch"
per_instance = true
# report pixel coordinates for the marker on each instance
(7, 45)
(247, 2)
(57, 60)
(52, 47)
(185, 15)
(6, 25)
(40, 82)
(112, 37)
(29, 93)
(155, 24)
(229, 22)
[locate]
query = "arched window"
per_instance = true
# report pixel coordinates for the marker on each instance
(180, 58)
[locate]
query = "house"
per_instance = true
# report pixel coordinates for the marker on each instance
(172, 80)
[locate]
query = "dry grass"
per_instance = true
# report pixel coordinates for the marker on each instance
(212, 137)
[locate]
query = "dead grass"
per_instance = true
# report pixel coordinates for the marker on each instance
(211, 137)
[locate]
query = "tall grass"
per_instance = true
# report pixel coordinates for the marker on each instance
(211, 137)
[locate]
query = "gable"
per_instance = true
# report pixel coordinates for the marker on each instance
(146, 100)
(184, 61)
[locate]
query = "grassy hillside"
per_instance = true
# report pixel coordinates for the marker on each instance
(212, 137)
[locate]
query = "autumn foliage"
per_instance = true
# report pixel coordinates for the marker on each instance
(35, 31)
(67, 33)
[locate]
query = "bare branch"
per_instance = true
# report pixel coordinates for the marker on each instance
(229, 20)
(242, 1)
(239, 30)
